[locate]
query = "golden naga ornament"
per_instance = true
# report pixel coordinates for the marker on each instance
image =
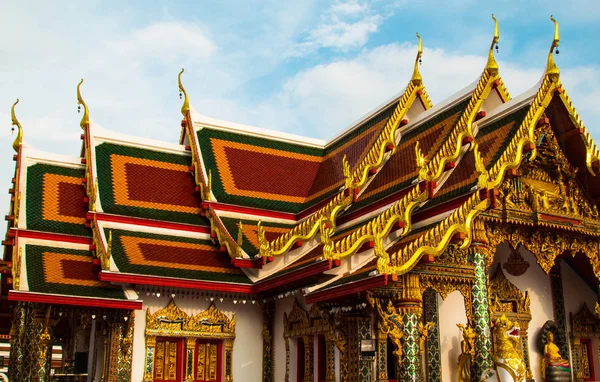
(15, 122)
(85, 119)
(185, 108)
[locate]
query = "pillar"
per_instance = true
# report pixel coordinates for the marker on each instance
(382, 373)
(433, 349)
(365, 365)
(268, 370)
(150, 353)
(309, 349)
(190, 345)
(17, 330)
(120, 349)
(558, 304)
(481, 316)
(409, 305)
(330, 361)
(229, 360)
(91, 351)
(38, 340)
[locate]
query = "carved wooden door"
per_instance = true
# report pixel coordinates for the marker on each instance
(208, 361)
(167, 361)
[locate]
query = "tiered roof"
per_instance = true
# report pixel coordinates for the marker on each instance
(238, 209)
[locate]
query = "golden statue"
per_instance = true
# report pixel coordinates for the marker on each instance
(467, 347)
(552, 355)
(508, 359)
(423, 333)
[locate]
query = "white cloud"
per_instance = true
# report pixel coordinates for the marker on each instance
(345, 26)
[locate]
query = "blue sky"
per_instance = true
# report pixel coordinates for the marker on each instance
(305, 67)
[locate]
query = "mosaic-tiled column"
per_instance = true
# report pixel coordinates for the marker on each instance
(268, 371)
(382, 372)
(120, 350)
(309, 373)
(560, 318)
(365, 369)
(39, 350)
(150, 352)
(229, 360)
(17, 330)
(330, 361)
(481, 316)
(410, 368)
(409, 304)
(433, 349)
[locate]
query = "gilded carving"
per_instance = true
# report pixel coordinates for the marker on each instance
(423, 333)
(171, 321)
(467, 355)
(507, 355)
(390, 324)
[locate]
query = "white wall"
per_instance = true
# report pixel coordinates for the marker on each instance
(576, 292)
(247, 347)
(537, 283)
(451, 312)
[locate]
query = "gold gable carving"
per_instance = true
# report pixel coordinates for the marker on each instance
(584, 324)
(547, 185)
(172, 321)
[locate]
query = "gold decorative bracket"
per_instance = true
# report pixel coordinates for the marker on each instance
(15, 122)
(85, 120)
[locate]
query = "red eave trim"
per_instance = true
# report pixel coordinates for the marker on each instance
(250, 211)
(128, 278)
(287, 278)
(256, 263)
(314, 208)
(100, 216)
(23, 233)
(347, 289)
(72, 300)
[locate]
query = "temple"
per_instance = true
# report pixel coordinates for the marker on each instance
(449, 242)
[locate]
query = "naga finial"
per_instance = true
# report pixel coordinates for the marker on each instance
(186, 102)
(551, 69)
(85, 120)
(492, 66)
(15, 122)
(416, 77)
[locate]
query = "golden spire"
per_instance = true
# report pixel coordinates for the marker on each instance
(85, 120)
(492, 66)
(416, 77)
(186, 102)
(15, 122)
(551, 69)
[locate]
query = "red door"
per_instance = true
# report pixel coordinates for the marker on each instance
(208, 361)
(168, 362)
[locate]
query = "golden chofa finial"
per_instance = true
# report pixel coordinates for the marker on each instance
(416, 77)
(15, 122)
(492, 66)
(85, 120)
(186, 102)
(551, 69)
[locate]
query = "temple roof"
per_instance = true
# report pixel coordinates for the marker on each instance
(234, 208)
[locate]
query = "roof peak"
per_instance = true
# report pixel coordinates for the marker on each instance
(551, 69)
(492, 65)
(416, 76)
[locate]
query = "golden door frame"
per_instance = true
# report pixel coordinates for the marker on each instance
(584, 325)
(171, 321)
(302, 323)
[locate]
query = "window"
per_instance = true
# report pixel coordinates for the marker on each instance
(208, 361)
